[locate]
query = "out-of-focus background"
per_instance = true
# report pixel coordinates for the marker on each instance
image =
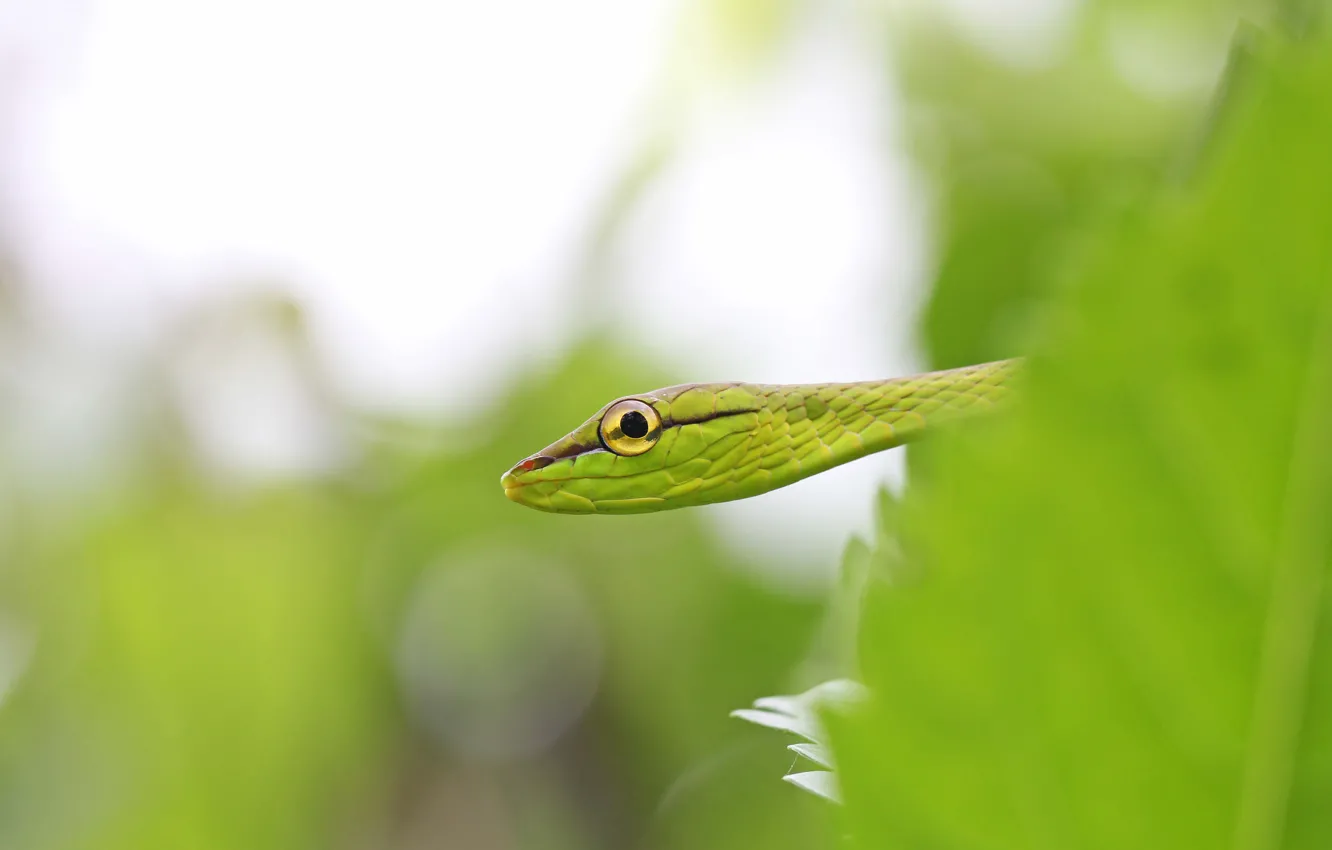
(286, 285)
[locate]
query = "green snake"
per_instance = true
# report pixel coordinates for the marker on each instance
(695, 444)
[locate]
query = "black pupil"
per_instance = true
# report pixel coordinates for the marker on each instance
(634, 424)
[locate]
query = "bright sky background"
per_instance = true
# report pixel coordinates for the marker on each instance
(416, 170)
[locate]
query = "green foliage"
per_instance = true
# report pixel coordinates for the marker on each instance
(1026, 158)
(1112, 632)
(307, 665)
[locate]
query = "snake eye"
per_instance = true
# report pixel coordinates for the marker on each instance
(630, 427)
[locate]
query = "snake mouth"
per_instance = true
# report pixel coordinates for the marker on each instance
(516, 491)
(512, 481)
(528, 494)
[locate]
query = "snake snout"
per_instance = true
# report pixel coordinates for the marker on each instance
(532, 464)
(512, 478)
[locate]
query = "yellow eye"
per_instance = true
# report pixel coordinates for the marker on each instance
(630, 427)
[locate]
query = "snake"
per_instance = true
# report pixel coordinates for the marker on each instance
(699, 444)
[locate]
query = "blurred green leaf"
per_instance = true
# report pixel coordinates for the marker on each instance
(1116, 635)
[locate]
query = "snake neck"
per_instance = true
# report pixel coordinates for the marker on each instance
(819, 426)
(910, 406)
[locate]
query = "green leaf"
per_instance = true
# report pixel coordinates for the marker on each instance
(799, 715)
(1117, 635)
(822, 783)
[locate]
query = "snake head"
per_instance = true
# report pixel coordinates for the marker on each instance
(669, 448)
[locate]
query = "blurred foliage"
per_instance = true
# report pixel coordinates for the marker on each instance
(335, 663)
(1028, 154)
(1109, 629)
